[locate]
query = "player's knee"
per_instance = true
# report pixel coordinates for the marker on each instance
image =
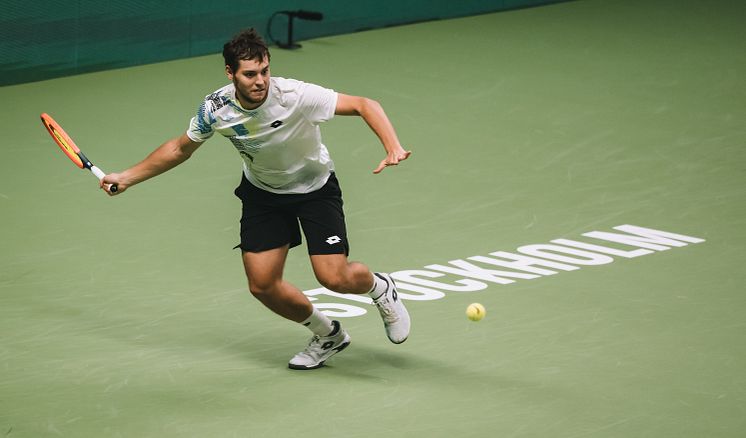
(260, 288)
(334, 282)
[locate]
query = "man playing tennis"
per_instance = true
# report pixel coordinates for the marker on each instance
(288, 177)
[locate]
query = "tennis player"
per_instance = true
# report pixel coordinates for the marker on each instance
(288, 177)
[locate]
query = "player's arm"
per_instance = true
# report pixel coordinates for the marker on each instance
(167, 156)
(373, 114)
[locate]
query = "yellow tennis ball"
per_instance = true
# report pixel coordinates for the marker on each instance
(475, 312)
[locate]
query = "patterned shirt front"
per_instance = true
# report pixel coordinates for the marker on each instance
(280, 141)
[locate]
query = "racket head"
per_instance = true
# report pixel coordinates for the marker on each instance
(63, 140)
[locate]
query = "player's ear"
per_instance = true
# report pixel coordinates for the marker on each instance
(229, 72)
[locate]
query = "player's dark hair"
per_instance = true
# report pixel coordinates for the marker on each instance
(246, 45)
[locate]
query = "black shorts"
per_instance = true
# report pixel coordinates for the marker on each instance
(270, 220)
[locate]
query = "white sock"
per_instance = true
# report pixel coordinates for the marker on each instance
(379, 287)
(318, 323)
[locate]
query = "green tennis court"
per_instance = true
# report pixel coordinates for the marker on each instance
(130, 316)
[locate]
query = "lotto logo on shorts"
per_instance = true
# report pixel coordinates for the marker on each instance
(332, 240)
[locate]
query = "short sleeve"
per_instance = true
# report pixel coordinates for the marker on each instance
(318, 103)
(201, 125)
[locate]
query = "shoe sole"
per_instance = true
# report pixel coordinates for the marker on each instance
(320, 364)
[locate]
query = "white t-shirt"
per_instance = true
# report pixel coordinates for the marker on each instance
(280, 141)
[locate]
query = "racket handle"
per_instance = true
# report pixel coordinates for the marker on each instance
(113, 188)
(98, 172)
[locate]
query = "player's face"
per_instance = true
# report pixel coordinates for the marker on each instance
(251, 80)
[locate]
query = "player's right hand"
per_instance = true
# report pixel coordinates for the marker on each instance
(112, 179)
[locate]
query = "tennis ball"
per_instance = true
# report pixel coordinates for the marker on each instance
(475, 312)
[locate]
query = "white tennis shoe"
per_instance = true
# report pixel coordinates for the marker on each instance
(394, 314)
(320, 349)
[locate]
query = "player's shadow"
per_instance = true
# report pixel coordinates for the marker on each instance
(367, 362)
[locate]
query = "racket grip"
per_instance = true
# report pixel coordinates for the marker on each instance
(98, 172)
(113, 188)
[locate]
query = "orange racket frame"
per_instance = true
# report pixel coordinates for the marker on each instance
(70, 149)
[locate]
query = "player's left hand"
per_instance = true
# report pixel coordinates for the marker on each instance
(392, 159)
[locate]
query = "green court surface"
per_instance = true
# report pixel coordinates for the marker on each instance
(130, 316)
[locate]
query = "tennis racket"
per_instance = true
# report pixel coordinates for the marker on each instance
(70, 149)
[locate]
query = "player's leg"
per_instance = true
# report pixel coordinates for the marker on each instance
(264, 272)
(322, 217)
(337, 274)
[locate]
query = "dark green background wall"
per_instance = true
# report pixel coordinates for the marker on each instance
(50, 38)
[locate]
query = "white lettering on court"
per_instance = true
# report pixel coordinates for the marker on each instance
(528, 263)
